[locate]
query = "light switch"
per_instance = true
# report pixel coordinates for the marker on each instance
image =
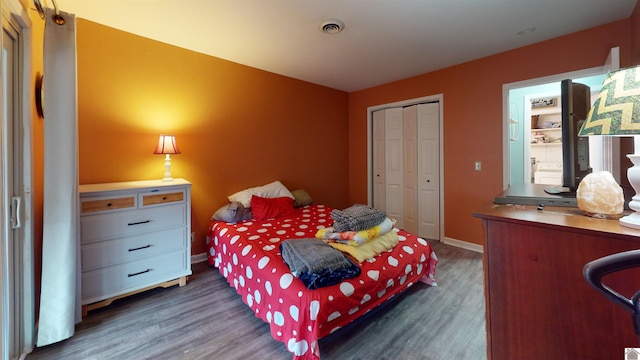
(478, 165)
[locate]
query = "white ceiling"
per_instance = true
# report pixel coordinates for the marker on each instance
(383, 40)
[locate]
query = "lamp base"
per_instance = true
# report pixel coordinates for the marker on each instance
(167, 168)
(633, 174)
(631, 220)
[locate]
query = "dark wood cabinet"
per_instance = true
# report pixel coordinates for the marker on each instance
(538, 305)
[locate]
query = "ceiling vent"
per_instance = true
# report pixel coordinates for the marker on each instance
(332, 26)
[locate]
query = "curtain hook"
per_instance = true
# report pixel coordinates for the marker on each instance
(57, 18)
(40, 8)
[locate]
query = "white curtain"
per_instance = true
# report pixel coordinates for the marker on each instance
(60, 306)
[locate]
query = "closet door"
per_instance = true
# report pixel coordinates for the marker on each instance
(378, 160)
(410, 168)
(428, 170)
(393, 165)
(406, 165)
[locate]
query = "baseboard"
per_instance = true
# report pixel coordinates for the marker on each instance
(463, 244)
(198, 258)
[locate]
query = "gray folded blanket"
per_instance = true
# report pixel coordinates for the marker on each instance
(312, 256)
(356, 218)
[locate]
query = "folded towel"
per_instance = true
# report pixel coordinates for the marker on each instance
(328, 278)
(356, 217)
(371, 248)
(355, 238)
(316, 263)
(311, 255)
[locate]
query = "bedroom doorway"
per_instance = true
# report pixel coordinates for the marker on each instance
(405, 163)
(517, 167)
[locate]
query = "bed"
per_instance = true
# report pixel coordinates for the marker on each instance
(247, 254)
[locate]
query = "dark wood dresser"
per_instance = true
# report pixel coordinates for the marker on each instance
(538, 305)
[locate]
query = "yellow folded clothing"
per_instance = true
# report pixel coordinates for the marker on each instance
(371, 248)
(356, 238)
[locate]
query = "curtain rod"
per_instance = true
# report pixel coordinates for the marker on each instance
(57, 18)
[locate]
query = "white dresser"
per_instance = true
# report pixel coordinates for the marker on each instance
(134, 236)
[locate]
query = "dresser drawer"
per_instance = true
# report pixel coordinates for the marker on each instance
(118, 251)
(114, 280)
(126, 223)
(108, 204)
(158, 198)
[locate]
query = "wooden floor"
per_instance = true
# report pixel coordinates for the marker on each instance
(207, 320)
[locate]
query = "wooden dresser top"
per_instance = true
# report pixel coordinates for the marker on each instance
(569, 218)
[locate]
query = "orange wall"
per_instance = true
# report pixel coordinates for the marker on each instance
(472, 98)
(635, 34)
(236, 126)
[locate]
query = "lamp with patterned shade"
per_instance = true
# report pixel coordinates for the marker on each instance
(616, 112)
(167, 145)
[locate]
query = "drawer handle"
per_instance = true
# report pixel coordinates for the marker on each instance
(140, 248)
(138, 273)
(139, 223)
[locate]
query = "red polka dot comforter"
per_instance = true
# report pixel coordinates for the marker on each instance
(247, 254)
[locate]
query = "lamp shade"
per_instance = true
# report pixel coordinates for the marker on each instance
(616, 111)
(167, 145)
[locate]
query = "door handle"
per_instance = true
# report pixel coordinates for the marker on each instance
(16, 203)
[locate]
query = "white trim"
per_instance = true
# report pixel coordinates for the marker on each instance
(463, 244)
(28, 291)
(433, 98)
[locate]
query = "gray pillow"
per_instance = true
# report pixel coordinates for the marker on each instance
(232, 212)
(301, 198)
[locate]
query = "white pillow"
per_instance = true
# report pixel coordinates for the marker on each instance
(269, 191)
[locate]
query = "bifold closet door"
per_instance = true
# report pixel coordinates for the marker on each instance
(379, 176)
(428, 182)
(410, 168)
(393, 165)
(406, 167)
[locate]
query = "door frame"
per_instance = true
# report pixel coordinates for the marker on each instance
(370, 177)
(15, 17)
(610, 146)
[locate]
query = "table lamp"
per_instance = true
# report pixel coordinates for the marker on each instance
(167, 145)
(616, 112)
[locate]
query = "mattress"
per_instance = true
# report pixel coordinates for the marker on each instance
(248, 255)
